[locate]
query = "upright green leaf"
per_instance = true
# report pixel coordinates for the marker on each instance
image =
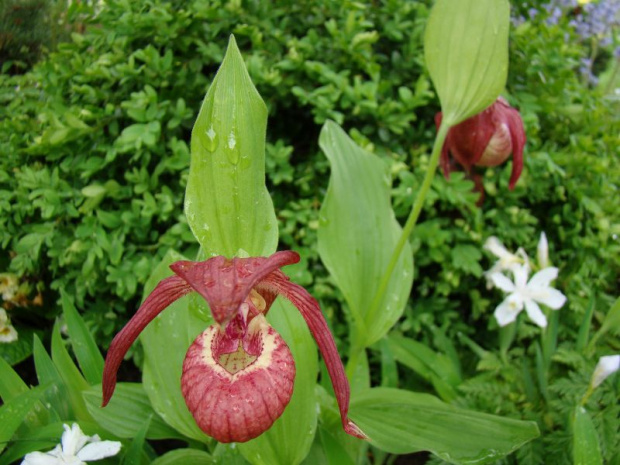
(586, 448)
(11, 385)
(64, 363)
(84, 345)
(227, 205)
(165, 341)
(403, 422)
(289, 440)
(466, 52)
(60, 397)
(133, 455)
(358, 232)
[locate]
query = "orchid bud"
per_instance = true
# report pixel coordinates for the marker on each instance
(486, 139)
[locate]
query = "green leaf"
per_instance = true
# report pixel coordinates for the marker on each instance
(358, 232)
(19, 350)
(64, 363)
(184, 456)
(289, 440)
(227, 204)
(84, 346)
(165, 341)
(402, 422)
(11, 385)
(586, 449)
(466, 52)
(435, 367)
(134, 452)
(127, 412)
(40, 438)
(13, 412)
(60, 398)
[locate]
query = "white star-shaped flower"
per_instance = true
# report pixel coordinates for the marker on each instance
(75, 449)
(527, 294)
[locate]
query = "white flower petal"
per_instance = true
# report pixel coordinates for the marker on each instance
(535, 313)
(99, 450)
(502, 282)
(549, 296)
(8, 334)
(494, 246)
(544, 277)
(507, 311)
(39, 458)
(73, 439)
(542, 251)
(605, 367)
(520, 274)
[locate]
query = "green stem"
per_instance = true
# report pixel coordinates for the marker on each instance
(411, 221)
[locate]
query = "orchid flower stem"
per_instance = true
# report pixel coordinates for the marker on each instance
(404, 237)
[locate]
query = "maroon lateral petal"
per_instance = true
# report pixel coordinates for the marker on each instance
(241, 406)
(167, 291)
(225, 283)
(518, 138)
(311, 312)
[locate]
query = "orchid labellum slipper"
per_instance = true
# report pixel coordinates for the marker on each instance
(486, 139)
(238, 374)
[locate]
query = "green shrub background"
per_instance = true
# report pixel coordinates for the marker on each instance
(94, 159)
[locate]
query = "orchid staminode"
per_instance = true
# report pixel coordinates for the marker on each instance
(238, 374)
(527, 294)
(75, 448)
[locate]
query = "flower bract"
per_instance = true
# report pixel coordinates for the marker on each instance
(238, 374)
(486, 139)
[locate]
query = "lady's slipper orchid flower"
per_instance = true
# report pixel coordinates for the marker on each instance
(486, 139)
(238, 374)
(528, 294)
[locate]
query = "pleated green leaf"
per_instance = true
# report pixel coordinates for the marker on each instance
(466, 52)
(586, 448)
(227, 204)
(289, 440)
(127, 412)
(358, 233)
(166, 340)
(402, 422)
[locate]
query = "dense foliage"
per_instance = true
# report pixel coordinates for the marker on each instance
(94, 159)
